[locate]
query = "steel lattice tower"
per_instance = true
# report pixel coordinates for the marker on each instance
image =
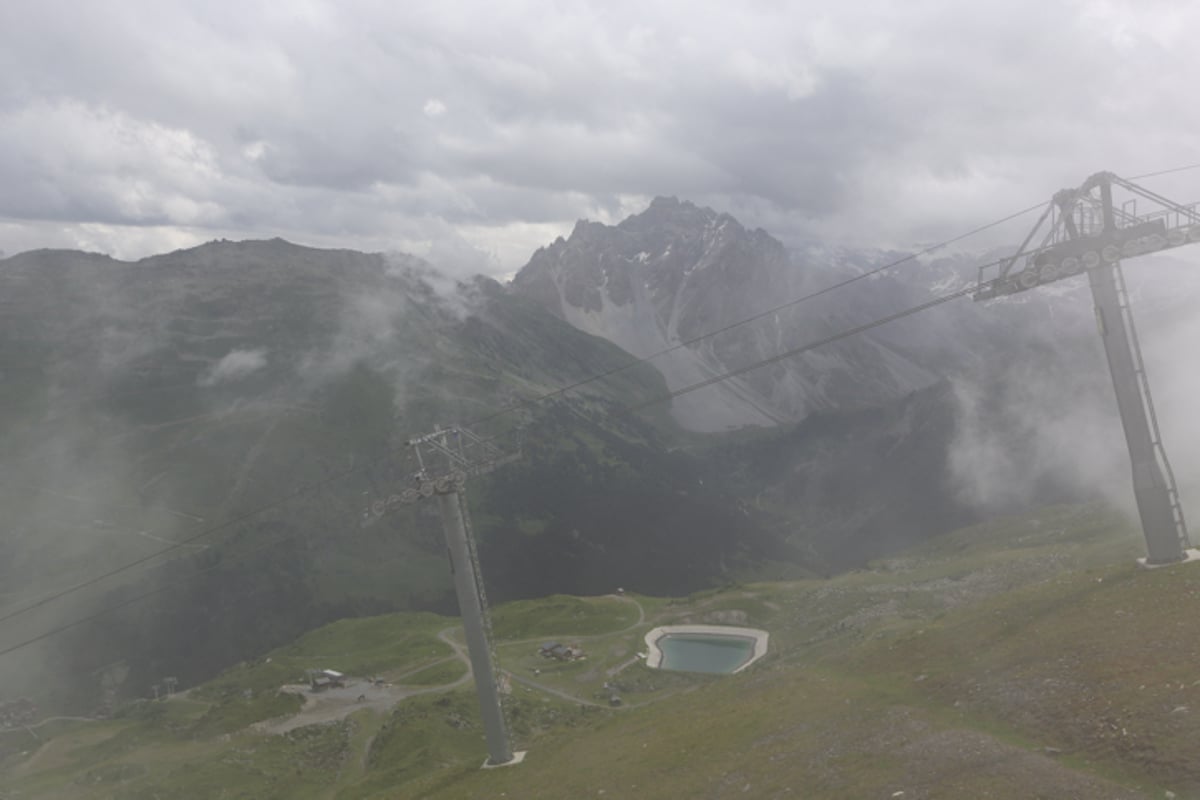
(1087, 232)
(446, 457)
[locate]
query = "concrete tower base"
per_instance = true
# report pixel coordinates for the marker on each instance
(518, 757)
(1188, 556)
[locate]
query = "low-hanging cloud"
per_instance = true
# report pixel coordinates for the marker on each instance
(1043, 425)
(1034, 434)
(236, 365)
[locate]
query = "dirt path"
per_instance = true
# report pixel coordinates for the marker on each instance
(243, 471)
(355, 768)
(330, 705)
(58, 749)
(612, 672)
(541, 687)
(460, 651)
(46, 721)
(641, 620)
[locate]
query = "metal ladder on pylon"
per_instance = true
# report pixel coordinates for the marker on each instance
(1144, 386)
(485, 610)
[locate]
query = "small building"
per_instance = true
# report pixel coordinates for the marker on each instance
(561, 652)
(326, 679)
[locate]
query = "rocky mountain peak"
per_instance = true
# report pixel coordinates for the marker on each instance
(649, 255)
(677, 271)
(671, 211)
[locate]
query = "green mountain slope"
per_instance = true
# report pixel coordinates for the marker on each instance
(236, 407)
(1025, 657)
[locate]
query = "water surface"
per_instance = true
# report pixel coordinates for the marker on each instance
(700, 652)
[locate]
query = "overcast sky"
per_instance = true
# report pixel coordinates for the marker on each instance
(475, 132)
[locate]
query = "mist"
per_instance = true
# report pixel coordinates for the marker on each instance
(152, 403)
(237, 364)
(1042, 425)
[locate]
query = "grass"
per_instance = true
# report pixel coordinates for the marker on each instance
(364, 647)
(1026, 657)
(1100, 664)
(301, 764)
(233, 714)
(437, 674)
(561, 615)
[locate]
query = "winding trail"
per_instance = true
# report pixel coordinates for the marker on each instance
(541, 687)
(641, 620)
(330, 705)
(247, 465)
(46, 721)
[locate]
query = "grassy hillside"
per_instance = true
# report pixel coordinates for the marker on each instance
(225, 414)
(1023, 658)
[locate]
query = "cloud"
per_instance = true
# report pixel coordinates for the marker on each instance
(234, 366)
(1043, 424)
(71, 162)
(1033, 435)
(360, 124)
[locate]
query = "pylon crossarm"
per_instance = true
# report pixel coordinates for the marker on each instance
(1189, 212)
(1086, 230)
(1006, 266)
(1090, 233)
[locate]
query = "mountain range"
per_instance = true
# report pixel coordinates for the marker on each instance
(677, 272)
(222, 416)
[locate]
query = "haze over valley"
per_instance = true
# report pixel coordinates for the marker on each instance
(171, 412)
(656, 399)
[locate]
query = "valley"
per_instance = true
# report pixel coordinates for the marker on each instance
(190, 445)
(1027, 656)
(591, 401)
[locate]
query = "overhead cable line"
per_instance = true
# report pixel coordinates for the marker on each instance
(527, 402)
(754, 318)
(1184, 168)
(518, 404)
(557, 392)
(636, 407)
(629, 407)
(795, 351)
(298, 491)
(628, 365)
(139, 597)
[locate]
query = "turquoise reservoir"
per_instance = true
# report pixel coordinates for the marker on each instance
(701, 652)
